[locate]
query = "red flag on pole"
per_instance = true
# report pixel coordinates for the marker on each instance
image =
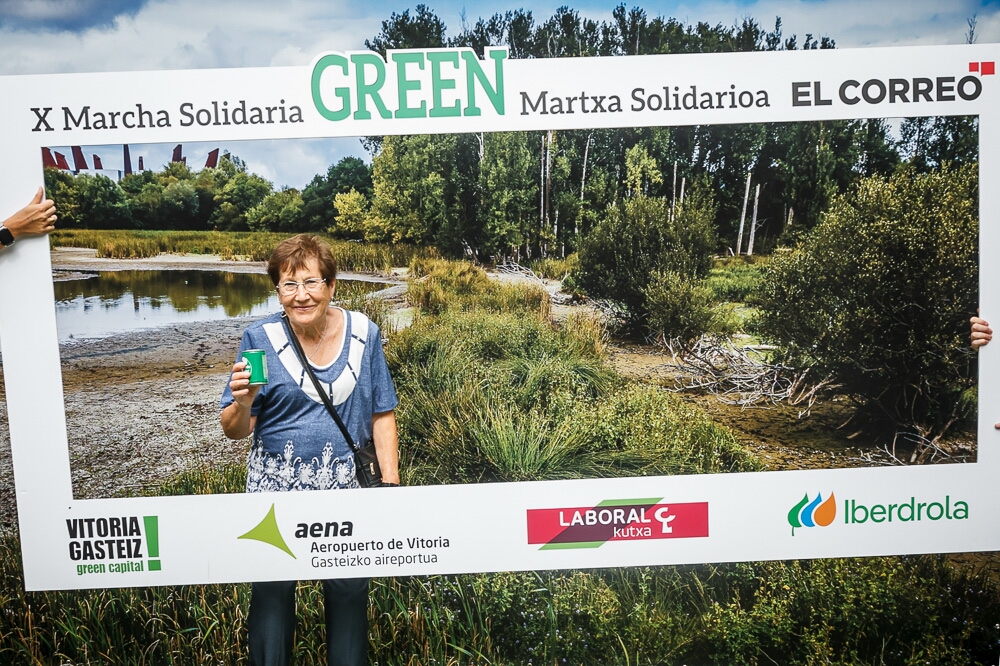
(78, 159)
(61, 162)
(213, 159)
(47, 159)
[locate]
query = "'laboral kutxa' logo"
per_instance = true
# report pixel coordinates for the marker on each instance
(813, 513)
(616, 520)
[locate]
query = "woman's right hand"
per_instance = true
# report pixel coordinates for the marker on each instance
(239, 384)
(981, 332)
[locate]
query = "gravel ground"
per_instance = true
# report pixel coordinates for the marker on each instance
(140, 407)
(143, 406)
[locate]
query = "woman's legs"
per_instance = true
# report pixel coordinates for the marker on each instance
(346, 606)
(272, 623)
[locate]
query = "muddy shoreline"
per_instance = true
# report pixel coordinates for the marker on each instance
(143, 406)
(140, 408)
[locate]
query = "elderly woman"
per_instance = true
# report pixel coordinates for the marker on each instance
(296, 443)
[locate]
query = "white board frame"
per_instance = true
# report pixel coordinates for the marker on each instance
(485, 525)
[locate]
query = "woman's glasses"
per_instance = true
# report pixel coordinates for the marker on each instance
(290, 287)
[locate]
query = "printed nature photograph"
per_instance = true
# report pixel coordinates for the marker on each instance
(554, 305)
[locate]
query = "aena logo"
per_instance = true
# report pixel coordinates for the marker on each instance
(267, 532)
(812, 513)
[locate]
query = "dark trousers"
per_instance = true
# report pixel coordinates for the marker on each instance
(272, 622)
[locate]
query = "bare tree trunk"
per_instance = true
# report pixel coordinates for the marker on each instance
(555, 229)
(753, 224)
(586, 153)
(548, 186)
(683, 181)
(673, 192)
(541, 189)
(743, 217)
(583, 185)
(482, 146)
(791, 212)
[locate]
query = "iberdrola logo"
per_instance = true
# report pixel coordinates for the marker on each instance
(812, 513)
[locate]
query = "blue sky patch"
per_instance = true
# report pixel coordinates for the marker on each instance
(64, 15)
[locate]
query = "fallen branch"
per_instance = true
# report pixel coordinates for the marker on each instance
(514, 268)
(741, 375)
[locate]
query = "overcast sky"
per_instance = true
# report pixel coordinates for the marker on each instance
(54, 36)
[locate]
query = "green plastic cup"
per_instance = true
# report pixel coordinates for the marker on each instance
(256, 365)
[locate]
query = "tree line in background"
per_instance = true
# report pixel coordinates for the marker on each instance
(531, 194)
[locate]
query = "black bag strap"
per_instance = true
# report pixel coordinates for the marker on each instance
(297, 346)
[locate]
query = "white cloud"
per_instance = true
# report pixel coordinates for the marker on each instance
(180, 34)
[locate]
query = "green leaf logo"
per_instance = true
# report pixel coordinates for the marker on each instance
(267, 531)
(793, 515)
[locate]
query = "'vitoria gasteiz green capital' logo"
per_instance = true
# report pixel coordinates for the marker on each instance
(116, 544)
(813, 513)
(426, 83)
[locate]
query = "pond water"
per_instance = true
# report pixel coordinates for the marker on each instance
(112, 302)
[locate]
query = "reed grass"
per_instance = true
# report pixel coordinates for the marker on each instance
(899, 610)
(231, 245)
(492, 391)
(437, 285)
(735, 279)
(555, 269)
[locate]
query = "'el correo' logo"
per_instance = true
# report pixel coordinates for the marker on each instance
(422, 83)
(893, 91)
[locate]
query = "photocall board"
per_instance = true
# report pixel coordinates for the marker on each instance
(69, 543)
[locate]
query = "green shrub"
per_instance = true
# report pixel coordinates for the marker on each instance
(681, 309)
(735, 279)
(556, 269)
(637, 239)
(909, 610)
(437, 285)
(880, 292)
(641, 430)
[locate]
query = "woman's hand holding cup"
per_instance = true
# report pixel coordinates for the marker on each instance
(239, 384)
